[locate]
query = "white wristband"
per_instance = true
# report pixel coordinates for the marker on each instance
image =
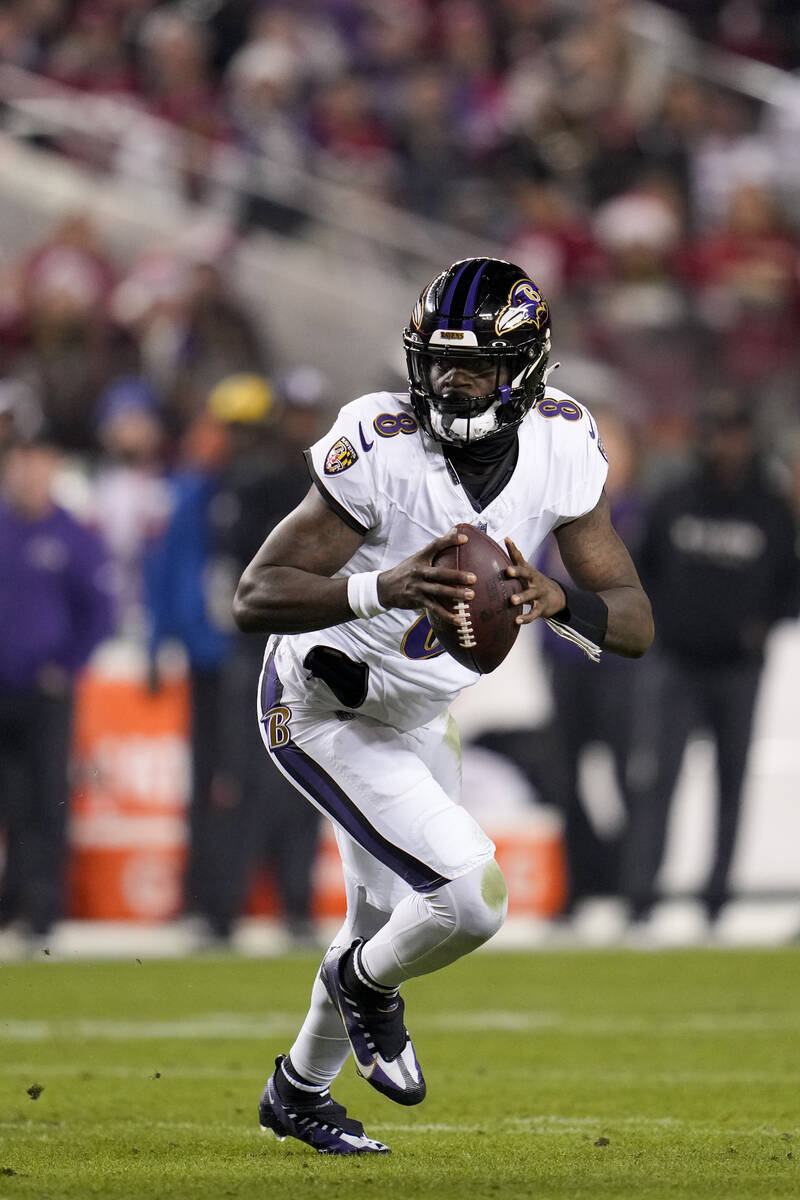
(362, 594)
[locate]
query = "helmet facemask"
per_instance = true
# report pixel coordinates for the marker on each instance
(516, 375)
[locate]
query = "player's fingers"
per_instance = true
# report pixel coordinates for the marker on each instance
(514, 553)
(520, 568)
(528, 595)
(451, 538)
(444, 614)
(531, 597)
(525, 618)
(447, 594)
(448, 575)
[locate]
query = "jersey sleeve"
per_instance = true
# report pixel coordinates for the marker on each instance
(343, 470)
(584, 465)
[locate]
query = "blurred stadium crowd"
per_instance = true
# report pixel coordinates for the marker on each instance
(656, 207)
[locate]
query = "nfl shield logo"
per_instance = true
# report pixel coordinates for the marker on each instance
(341, 455)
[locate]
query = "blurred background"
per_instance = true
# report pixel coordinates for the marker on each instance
(215, 216)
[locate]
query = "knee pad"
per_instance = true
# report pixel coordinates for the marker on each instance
(475, 903)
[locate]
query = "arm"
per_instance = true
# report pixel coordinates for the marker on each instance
(598, 562)
(287, 588)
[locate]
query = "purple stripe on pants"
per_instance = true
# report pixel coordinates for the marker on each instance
(310, 777)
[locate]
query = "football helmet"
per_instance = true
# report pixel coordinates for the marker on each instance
(482, 318)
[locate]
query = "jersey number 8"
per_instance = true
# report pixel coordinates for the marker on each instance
(567, 409)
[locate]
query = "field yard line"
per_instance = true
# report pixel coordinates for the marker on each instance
(543, 1075)
(558, 1124)
(250, 1026)
(552, 1123)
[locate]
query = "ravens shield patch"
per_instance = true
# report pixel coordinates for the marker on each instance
(341, 455)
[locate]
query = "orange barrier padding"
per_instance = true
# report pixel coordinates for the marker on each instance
(534, 865)
(129, 799)
(128, 828)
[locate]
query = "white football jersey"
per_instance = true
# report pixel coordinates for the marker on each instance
(392, 483)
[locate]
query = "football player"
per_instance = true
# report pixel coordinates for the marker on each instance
(355, 689)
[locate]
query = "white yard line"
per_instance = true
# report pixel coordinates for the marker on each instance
(537, 1126)
(249, 1027)
(572, 1077)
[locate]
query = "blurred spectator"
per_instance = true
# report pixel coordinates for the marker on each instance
(640, 318)
(666, 142)
(762, 29)
(554, 239)
(72, 263)
(20, 414)
(67, 347)
(352, 142)
(719, 562)
(730, 152)
(150, 303)
(175, 76)
(91, 55)
(263, 81)
(18, 46)
(219, 338)
(423, 128)
(579, 99)
(242, 810)
(470, 59)
(594, 702)
(746, 277)
(54, 610)
(130, 496)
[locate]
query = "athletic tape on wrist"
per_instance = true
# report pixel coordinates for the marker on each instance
(362, 594)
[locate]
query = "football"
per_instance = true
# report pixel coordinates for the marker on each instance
(487, 629)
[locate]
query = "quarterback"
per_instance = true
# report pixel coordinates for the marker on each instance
(354, 695)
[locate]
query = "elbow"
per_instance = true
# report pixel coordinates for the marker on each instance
(245, 613)
(643, 639)
(634, 636)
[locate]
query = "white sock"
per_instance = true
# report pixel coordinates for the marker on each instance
(321, 1047)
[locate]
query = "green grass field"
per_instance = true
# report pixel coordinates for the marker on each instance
(575, 1074)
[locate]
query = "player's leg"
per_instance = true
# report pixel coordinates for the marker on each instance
(431, 926)
(296, 1101)
(322, 1046)
(425, 932)
(383, 789)
(665, 715)
(731, 699)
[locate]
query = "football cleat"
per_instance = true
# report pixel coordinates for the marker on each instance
(318, 1121)
(373, 1022)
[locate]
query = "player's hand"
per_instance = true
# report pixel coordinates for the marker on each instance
(544, 595)
(416, 583)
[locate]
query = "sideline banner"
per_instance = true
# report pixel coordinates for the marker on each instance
(130, 792)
